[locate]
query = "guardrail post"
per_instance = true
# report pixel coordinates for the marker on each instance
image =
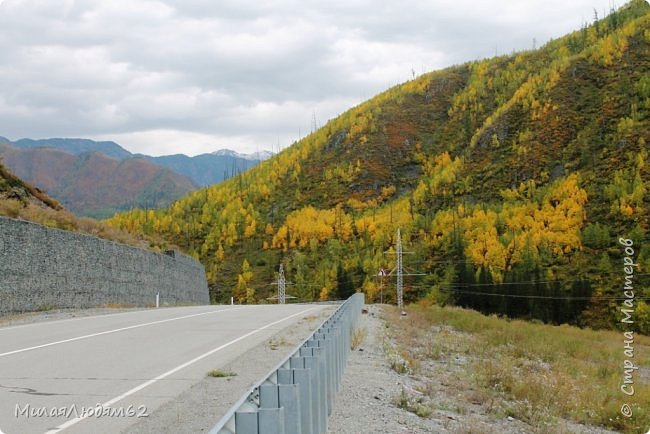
(269, 396)
(291, 404)
(321, 347)
(336, 358)
(246, 422)
(313, 378)
(311, 363)
(270, 421)
(284, 396)
(328, 345)
(322, 355)
(302, 378)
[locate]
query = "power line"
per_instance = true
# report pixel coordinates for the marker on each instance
(454, 286)
(458, 288)
(521, 282)
(463, 285)
(550, 297)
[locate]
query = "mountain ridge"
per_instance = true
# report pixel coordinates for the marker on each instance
(258, 155)
(93, 183)
(204, 169)
(74, 146)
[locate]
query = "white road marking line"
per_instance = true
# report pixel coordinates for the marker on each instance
(22, 350)
(76, 420)
(78, 318)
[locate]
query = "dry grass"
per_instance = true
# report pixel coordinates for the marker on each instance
(12, 317)
(10, 207)
(277, 342)
(536, 373)
(408, 402)
(358, 336)
(218, 373)
(119, 305)
(62, 219)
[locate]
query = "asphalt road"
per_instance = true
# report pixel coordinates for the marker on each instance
(99, 374)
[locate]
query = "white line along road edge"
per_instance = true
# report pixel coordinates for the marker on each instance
(114, 331)
(172, 371)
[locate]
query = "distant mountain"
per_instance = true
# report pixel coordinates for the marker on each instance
(259, 155)
(204, 169)
(207, 169)
(73, 146)
(95, 184)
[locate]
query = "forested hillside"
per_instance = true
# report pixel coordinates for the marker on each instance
(511, 179)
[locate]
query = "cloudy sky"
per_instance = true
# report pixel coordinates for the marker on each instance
(193, 76)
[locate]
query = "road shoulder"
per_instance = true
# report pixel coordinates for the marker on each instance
(199, 408)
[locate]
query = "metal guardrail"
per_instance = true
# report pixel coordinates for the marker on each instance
(298, 396)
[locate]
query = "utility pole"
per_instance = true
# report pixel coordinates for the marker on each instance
(399, 269)
(281, 286)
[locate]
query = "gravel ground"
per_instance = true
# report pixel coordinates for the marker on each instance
(370, 392)
(365, 402)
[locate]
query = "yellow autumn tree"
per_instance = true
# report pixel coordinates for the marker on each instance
(308, 224)
(560, 218)
(482, 242)
(243, 292)
(497, 239)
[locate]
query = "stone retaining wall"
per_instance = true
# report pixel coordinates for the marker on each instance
(43, 268)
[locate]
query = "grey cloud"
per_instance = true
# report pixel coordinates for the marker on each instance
(245, 73)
